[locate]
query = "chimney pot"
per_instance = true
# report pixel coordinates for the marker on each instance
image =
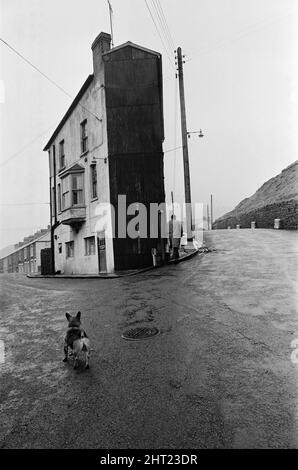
(100, 45)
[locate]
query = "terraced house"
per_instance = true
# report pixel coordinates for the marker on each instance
(109, 143)
(25, 256)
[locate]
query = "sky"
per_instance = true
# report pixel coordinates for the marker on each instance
(241, 89)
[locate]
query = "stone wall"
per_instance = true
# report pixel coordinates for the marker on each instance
(286, 211)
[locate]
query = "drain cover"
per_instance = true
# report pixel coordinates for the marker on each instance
(140, 333)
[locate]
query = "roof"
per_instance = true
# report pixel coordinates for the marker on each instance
(72, 169)
(37, 239)
(132, 44)
(86, 85)
(70, 110)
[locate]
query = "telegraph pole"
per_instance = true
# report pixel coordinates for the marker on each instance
(185, 147)
(211, 209)
(172, 198)
(208, 226)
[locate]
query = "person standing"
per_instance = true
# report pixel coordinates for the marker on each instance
(175, 234)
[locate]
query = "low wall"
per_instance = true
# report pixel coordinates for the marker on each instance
(264, 217)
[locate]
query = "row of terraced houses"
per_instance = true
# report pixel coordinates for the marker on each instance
(25, 256)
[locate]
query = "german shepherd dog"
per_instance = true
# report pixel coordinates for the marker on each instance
(76, 339)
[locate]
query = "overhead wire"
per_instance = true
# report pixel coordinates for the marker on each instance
(175, 133)
(21, 150)
(46, 77)
(163, 25)
(222, 43)
(255, 27)
(160, 36)
(25, 204)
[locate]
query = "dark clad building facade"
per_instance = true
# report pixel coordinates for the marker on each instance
(133, 78)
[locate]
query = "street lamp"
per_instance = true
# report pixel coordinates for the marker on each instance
(200, 133)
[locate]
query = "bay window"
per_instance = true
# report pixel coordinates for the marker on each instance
(72, 190)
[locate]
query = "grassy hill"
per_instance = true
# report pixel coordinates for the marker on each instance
(275, 199)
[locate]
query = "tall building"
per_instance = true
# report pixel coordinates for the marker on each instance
(108, 144)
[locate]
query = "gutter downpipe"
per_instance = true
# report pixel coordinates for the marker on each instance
(53, 206)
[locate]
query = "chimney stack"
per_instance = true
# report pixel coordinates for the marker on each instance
(99, 46)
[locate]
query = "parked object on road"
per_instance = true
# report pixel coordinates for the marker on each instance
(77, 340)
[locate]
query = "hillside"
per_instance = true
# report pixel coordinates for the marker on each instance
(275, 199)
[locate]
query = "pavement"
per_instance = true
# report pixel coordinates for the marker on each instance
(184, 255)
(219, 374)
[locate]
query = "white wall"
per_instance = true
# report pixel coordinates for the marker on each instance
(94, 101)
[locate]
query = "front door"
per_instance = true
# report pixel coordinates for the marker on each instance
(101, 248)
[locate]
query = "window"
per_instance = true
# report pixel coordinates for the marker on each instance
(54, 156)
(53, 202)
(69, 249)
(59, 197)
(77, 190)
(89, 246)
(60, 247)
(93, 174)
(65, 193)
(72, 189)
(84, 137)
(61, 155)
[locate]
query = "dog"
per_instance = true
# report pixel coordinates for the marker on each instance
(77, 340)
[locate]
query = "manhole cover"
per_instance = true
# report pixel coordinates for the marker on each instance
(140, 333)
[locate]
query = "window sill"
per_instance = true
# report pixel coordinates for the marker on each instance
(77, 206)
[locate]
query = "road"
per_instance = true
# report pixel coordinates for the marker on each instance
(219, 374)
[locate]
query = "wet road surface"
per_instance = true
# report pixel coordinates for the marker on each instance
(218, 375)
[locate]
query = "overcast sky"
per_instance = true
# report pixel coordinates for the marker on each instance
(241, 88)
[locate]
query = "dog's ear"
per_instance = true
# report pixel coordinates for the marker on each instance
(79, 315)
(67, 316)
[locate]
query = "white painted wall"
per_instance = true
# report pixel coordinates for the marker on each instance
(94, 101)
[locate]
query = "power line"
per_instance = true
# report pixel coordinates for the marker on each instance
(22, 149)
(46, 77)
(164, 22)
(19, 228)
(25, 204)
(175, 134)
(162, 25)
(172, 150)
(250, 29)
(16, 154)
(255, 27)
(157, 29)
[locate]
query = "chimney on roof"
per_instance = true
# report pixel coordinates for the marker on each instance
(100, 45)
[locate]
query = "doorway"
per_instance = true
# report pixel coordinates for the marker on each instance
(101, 250)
